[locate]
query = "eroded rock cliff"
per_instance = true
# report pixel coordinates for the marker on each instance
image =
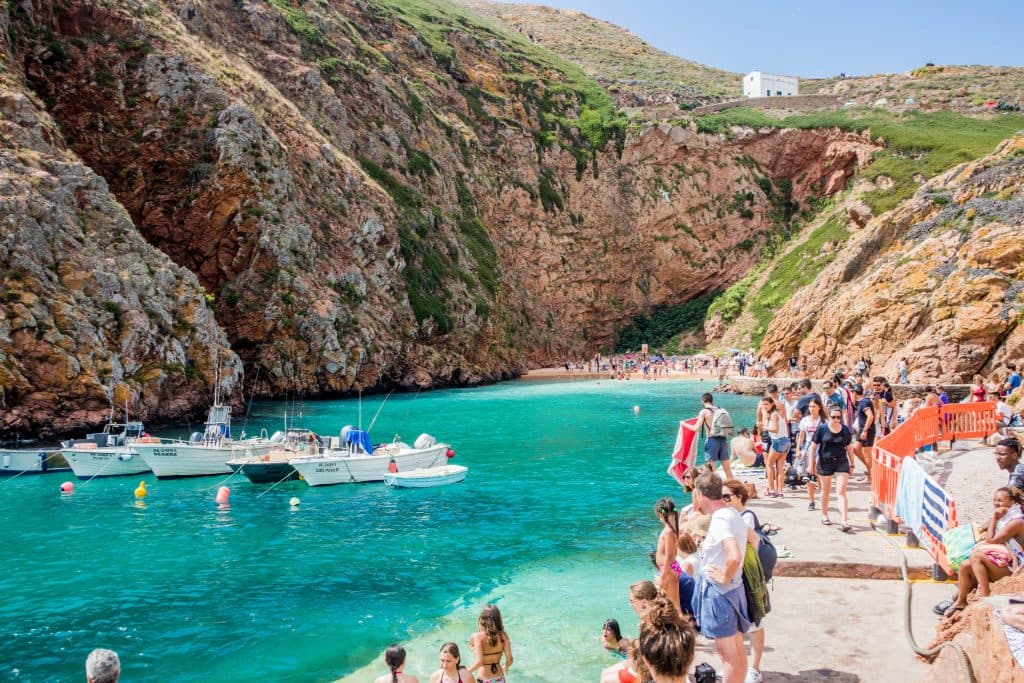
(373, 197)
(90, 314)
(938, 280)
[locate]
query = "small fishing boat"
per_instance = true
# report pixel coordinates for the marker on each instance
(16, 461)
(273, 466)
(109, 453)
(425, 478)
(205, 453)
(358, 460)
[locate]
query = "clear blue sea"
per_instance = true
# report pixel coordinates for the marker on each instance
(552, 524)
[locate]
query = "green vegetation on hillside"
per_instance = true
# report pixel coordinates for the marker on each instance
(917, 143)
(730, 303)
(568, 101)
(663, 324)
(799, 267)
(612, 54)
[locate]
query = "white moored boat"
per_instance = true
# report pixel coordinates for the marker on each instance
(425, 478)
(357, 460)
(205, 453)
(16, 461)
(110, 453)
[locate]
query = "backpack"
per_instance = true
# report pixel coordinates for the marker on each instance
(766, 551)
(755, 586)
(721, 423)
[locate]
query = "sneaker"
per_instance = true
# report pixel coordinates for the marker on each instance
(810, 508)
(753, 676)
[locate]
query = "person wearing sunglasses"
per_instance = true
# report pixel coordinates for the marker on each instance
(831, 455)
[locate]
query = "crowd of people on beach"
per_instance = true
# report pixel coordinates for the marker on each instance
(642, 365)
(804, 438)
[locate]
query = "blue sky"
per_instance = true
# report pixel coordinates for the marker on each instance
(821, 38)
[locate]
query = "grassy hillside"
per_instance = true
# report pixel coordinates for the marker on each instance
(918, 146)
(618, 59)
(960, 88)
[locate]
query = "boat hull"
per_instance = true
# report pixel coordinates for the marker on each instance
(179, 460)
(351, 469)
(25, 461)
(422, 479)
(268, 472)
(119, 461)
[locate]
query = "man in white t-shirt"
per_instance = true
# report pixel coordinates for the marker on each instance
(720, 603)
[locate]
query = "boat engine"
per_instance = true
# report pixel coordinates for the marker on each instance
(424, 441)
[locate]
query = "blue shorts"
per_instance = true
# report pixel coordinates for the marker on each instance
(720, 615)
(781, 444)
(716, 449)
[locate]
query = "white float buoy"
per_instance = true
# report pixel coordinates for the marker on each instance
(294, 502)
(223, 493)
(636, 409)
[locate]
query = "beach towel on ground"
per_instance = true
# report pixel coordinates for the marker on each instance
(910, 494)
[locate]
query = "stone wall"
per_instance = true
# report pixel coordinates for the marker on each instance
(791, 102)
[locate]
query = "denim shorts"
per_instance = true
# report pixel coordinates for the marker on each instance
(781, 444)
(721, 615)
(715, 448)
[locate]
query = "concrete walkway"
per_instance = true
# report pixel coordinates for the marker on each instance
(842, 630)
(838, 603)
(825, 551)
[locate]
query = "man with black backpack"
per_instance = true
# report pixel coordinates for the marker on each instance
(720, 429)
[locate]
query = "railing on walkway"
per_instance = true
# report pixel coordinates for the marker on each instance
(926, 427)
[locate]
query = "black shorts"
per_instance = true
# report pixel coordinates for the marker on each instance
(869, 440)
(827, 466)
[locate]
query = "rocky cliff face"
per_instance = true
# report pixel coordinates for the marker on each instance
(370, 197)
(938, 280)
(90, 314)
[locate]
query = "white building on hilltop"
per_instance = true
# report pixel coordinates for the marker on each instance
(758, 84)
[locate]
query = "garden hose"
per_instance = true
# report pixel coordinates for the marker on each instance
(965, 662)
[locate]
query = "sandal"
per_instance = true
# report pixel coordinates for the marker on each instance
(826, 521)
(845, 527)
(953, 610)
(770, 529)
(941, 607)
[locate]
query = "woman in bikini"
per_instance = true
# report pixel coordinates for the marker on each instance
(489, 644)
(665, 558)
(451, 670)
(394, 657)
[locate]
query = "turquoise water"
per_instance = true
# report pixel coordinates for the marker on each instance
(552, 523)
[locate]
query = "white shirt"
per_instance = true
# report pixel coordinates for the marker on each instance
(1004, 410)
(725, 523)
(808, 426)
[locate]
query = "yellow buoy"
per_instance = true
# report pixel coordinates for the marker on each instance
(141, 491)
